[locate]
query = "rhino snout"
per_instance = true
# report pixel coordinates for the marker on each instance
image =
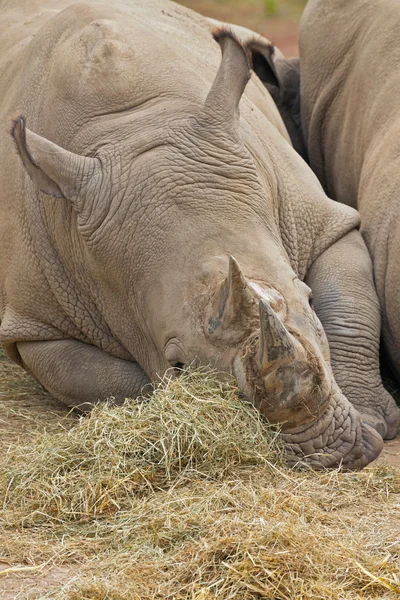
(371, 445)
(338, 438)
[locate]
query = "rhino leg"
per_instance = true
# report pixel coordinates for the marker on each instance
(346, 303)
(79, 374)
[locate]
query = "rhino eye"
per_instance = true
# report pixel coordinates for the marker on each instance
(174, 353)
(177, 366)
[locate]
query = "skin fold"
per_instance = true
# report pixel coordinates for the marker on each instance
(147, 225)
(350, 118)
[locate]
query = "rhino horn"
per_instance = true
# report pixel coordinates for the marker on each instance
(235, 299)
(222, 102)
(237, 292)
(275, 340)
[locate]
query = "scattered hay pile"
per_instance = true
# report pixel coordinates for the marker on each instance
(187, 496)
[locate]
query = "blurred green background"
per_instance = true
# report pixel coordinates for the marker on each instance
(275, 19)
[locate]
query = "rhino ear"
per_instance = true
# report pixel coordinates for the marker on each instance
(222, 103)
(263, 56)
(55, 171)
(280, 75)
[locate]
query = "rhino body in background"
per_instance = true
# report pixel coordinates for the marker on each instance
(144, 226)
(351, 119)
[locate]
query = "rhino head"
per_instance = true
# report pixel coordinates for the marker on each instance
(182, 240)
(262, 329)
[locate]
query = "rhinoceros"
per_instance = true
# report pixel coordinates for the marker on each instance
(351, 116)
(146, 225)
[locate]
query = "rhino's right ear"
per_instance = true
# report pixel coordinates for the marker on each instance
(55, 171)
(222, 103)
(263, 57)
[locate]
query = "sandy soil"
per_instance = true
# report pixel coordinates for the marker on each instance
(25, 408)
(391, 453)
(281, 28)
(32, 582)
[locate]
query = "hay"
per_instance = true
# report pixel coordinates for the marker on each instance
(187, 496)
(192, 427)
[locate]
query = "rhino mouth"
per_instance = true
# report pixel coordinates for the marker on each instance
(337, 439)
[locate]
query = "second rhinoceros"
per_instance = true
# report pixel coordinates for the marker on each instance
(350, 118)
(146, 226)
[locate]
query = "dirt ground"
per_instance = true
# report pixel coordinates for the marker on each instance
(391, 453)
(281, 28)
(32, 582)
(25, 408)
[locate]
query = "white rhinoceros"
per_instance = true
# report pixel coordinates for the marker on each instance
(350, 84)
(130, 203)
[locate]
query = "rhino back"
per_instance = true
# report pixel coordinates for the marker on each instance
(351, 119)
(350, 87)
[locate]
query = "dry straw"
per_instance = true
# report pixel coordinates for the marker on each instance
(187, 496)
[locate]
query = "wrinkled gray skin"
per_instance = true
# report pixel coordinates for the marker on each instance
(125, 202)
(350, 91)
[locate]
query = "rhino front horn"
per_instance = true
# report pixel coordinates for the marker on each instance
(275, 340)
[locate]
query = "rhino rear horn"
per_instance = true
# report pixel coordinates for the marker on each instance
(53, 169)
(222, 103)
(238, 296)
(275, 340)
(234, 300)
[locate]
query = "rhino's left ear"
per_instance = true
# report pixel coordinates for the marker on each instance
(55, 171)
(222, 103)
(280, 75)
